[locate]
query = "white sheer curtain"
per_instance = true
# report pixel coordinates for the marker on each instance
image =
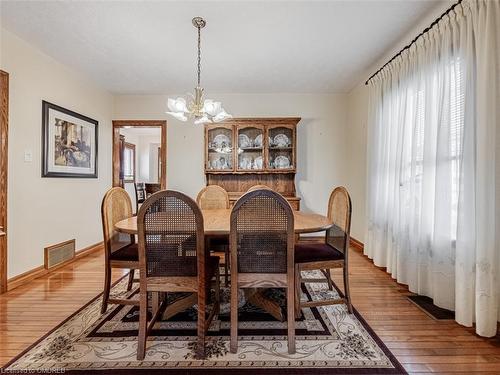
(434, 165)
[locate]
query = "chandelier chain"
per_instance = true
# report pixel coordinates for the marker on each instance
(199, 55)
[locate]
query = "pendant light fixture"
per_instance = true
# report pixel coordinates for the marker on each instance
(195, 106)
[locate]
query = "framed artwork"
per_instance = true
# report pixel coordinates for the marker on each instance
(69, 143)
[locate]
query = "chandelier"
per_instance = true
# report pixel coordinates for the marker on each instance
(196, 107)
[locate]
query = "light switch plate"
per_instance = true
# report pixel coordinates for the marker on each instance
(28, 156)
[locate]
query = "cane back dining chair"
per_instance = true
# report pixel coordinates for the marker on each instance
(213, 197)
(140, 195)
(120, 249)
(333, 253)
(172, 258)
(259, 187)
(151, 188)
(261, 247)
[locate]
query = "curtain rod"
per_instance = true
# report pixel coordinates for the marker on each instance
(414, 40)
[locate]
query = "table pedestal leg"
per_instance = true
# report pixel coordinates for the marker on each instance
(180, 305)
(256, 297)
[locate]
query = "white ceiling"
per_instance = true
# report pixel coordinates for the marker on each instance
(247, 46)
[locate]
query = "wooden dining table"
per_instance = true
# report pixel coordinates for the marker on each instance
(217, 223)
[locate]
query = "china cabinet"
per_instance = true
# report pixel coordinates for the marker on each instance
(243, 152)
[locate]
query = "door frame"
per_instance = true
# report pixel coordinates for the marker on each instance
(4, 133)
(118, 124)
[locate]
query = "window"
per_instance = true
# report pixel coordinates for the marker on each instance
(129, 162)
(432, 138)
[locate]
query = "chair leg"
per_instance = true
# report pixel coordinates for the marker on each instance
(217, 292)
(298, 311)
(143, 321)
(226, 265)
(130, 279)
(346, 288)
(290, 291)
(234, 317)
(200, 350)
(107, 287)
(328, 277)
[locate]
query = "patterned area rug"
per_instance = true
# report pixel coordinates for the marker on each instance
(329, 341)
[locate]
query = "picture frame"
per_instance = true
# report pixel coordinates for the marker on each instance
(69, 143)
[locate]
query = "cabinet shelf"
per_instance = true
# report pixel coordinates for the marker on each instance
(250, 149)
(219, 152)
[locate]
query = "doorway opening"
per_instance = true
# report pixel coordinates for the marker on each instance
(139, 157)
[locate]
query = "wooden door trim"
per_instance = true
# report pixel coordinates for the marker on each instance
(4, 132)
(117, 124)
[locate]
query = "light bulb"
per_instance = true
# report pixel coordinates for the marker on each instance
(221, 116)
(177, 105)
(202, 120)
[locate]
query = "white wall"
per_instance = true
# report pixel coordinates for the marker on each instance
(144, 158)
(45, 211)
(357, 105)
(357, 124)
(153, 161)
(322, 138)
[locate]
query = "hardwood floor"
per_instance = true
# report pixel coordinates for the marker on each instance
(421, 344)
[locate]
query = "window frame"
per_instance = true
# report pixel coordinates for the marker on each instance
(127, 178)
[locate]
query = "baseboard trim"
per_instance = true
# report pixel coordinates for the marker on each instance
(37, 272)
(358, 245)
(25, 277)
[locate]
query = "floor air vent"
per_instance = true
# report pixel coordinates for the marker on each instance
(59, 253)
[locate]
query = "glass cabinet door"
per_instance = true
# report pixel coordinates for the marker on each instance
(220, 149)
(250, 148)
(280, 146)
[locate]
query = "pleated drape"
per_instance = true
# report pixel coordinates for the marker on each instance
(433, 204)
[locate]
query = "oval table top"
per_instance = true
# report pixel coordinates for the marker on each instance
(216, 222)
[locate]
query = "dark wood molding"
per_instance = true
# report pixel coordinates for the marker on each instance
(117, 124)
(34, 273)
(4, 132)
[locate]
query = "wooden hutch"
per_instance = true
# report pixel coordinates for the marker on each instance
(243, 152)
